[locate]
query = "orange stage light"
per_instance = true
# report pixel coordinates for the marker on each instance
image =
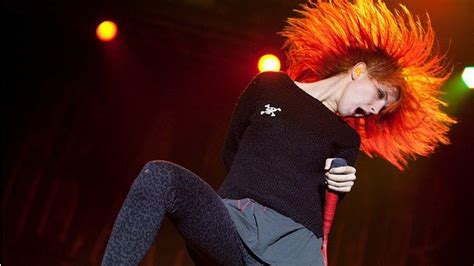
(106, 31)
(268, 62)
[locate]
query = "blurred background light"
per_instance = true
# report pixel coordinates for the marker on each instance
(269, 62)
(106, 31)
(468, 76)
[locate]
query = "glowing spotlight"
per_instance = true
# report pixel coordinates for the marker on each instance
(468, 76)
(268, 62)
(106, 31)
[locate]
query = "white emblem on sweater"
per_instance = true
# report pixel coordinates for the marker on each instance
(270, 110)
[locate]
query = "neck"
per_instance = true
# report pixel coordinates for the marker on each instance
(328, 91)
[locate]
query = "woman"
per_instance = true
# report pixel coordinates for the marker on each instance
(359, 78)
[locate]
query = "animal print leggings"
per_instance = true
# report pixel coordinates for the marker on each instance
(195, 209)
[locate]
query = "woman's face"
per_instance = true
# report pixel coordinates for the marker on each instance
(363, 97)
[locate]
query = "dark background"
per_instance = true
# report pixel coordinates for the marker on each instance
(82, 117)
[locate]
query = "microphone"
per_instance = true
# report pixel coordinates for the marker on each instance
(330, 205)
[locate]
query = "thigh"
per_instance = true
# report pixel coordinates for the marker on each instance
(201, 217)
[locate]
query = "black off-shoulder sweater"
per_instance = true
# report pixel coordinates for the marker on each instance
(276, 146)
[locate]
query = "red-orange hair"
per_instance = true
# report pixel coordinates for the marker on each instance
(331, 37)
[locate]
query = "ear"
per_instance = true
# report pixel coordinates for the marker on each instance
(358, 70)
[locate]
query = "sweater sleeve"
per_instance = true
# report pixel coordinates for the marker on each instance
(240, 120)
(350, 155)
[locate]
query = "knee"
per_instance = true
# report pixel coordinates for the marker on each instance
(156, 179)
(160, 169)
(157, 170)
(153, 170)
(165, 166)
(158, 164)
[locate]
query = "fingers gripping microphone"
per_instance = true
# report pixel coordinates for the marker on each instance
(330, 205)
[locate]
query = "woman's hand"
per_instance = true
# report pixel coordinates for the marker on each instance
(340, 179)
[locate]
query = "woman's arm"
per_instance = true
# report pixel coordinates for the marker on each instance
(240, 120)
(341, 179)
